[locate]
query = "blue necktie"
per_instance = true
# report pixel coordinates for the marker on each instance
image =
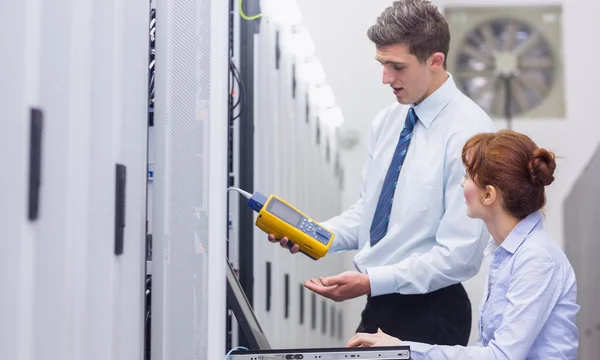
(381, 219)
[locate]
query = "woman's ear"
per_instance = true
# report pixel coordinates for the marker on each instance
(490, 196)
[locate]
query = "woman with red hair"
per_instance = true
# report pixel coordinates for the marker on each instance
(529, 303)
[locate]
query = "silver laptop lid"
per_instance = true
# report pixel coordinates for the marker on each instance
(365, 353)
(244, 314)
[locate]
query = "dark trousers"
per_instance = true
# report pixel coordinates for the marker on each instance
(442, 317)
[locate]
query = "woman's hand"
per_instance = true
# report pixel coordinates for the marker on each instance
(368, 340)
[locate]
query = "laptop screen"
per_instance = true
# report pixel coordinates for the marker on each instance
(244, 313)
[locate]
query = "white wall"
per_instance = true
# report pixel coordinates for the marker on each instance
(339, 31)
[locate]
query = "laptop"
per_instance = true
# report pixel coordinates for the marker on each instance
(260, 349)
(363, 353)
(244, 314)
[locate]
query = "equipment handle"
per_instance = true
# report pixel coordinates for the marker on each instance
(121, 179)
(35, 162)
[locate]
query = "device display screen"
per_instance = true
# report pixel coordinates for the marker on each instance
(285, 212)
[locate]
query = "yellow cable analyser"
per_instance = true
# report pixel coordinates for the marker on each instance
(276, 216)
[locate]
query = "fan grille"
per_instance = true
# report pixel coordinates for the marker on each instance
(506, 66)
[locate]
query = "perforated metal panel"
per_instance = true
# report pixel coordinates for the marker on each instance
(180, 261)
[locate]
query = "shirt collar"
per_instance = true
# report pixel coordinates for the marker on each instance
(517, 235)
(520, 232)
(491, 247)
(431, 106)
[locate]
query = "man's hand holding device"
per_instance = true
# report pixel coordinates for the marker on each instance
(279, 219)
(285, 243)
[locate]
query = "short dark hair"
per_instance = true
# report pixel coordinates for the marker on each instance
(515, 165)
(417, 24)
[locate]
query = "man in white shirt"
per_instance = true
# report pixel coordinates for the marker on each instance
(416, 244)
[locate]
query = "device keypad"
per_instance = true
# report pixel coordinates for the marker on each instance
(314, 230)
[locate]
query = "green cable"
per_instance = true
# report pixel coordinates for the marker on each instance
(246, 17)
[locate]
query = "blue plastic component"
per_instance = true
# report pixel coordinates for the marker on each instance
(257, 201)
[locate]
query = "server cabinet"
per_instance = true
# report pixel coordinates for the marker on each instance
(294, 150)
(18, 97)
(72, 210)
(190, 181)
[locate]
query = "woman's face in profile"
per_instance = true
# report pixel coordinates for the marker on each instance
(473, 195)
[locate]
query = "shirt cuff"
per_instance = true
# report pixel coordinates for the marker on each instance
(417, 349)
(382, 280)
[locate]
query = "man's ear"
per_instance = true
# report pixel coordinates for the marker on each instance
(490, 196)
(437, 59)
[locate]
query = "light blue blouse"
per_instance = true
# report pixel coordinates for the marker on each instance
(529, 304)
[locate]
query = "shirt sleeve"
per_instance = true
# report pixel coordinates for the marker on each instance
(460, 241)
(346, 225)
(535, 287)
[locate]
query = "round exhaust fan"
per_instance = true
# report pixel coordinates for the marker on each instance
(506, 66)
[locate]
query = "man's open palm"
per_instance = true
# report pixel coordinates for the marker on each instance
(347, 285)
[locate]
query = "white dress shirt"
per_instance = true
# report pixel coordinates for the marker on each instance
(529, 305)
(430, 243)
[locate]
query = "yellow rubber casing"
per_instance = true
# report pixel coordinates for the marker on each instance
(309, 245)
